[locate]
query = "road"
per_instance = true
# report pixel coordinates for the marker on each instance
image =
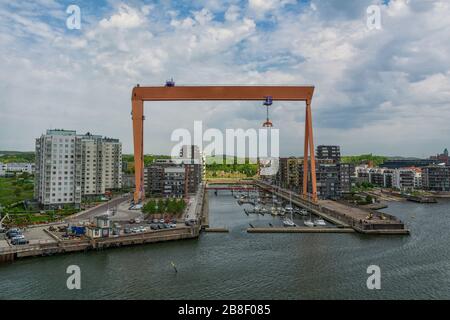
(101, 209)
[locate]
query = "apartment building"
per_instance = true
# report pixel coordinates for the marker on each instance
(70, 166)
(418, 178)
(16, 167)
(436, 178)
(329, 152)
(174, 182)
(380, 177)
(346, 175)
(281, 176)
(328, 182)
(154, 176)
(328, 172)
(58, 168)
(175, 177)
(101, 164)
(403, 179)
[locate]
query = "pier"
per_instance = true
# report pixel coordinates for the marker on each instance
(299, 230)
(343, 215)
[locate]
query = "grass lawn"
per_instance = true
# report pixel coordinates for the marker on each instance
(15, 189)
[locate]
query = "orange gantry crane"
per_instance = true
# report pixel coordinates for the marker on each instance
(170, 92)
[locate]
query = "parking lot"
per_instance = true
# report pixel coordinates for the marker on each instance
(34, 235)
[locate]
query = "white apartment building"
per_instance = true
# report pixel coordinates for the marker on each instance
(58, 164)
(70, 166)
(418, 179)
(16, 167)
(3, 169)
(101, 164)
(403, 179)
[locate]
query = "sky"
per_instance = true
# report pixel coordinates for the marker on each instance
(382, 91)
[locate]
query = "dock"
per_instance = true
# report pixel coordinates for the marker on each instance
(219, 230)
(299, 230)
(343, 215)
(421, 199)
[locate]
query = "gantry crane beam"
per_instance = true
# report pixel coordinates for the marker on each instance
(219, 93)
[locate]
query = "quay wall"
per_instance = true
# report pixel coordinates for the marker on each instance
(66, 246)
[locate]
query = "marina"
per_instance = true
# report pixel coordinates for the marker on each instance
(259, 199)
(306, 265)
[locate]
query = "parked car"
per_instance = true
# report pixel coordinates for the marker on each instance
(19, 236)
(16, 242)
(12, 230)
(155, 221)
(2, 230)
(161, 221)
(137, 220)
(172, 225)
(189, 223)
(154, 226)
(127, 230)
(11, 234)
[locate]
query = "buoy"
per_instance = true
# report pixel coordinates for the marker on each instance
(174, 267)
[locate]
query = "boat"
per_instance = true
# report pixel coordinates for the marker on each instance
(303, 212)
(309, 223)
(274, 211)
(288, 223)
(320, 222)
(288, 208)
(257, 209)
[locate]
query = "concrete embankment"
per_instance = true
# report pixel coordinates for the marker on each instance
(77, 245)
(216, 230)
(56, 244)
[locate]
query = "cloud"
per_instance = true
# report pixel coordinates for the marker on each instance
(261, 7)
(125, 18)
(382, 91)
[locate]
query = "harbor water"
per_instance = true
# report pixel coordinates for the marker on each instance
(241, 265)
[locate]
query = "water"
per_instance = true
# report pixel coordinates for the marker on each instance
(238, 265)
